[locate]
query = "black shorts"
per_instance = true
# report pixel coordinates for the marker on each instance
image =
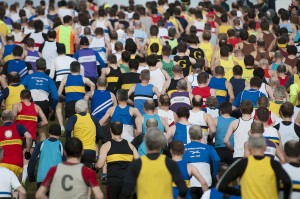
(94, 80)
(114, 189)
(44, 106)
(70, 109)
(60, 99)
(225, 155)
(89, 158)
(24, 143)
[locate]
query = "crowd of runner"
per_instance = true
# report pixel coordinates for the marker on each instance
(163, 99)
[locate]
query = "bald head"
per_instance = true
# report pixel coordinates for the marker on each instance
(150, 123)
(197, 101)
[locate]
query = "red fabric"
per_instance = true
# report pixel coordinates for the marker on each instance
(269, 120)
(88, 175)
(267, 75)
(283, 81)
(30, 125)
(12, 145)
(257, 25)
(234, 41)
(204, 92)
(155, 19)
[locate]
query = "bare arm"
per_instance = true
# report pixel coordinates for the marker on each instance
(22, 192)
(230, 131)
(62, 86)
(89, 83)
(103, 155)
(230, 91)
(107, 115)
(97, 192)
(195, 172)
(139, 123)
(209, 121)
(41, 193)
(41, 114)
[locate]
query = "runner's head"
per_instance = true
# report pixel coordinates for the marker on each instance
(177, 148)
(81, 106)
(116, 128)
(25, 94)
(195, 132)
(292, 149)
(151, 123)
(155, 140)
(75, 67)
(73, 148)
(122, 95)
(7, 116)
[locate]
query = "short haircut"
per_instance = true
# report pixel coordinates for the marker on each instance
(166, 50)
(118, 46)
(145, 75)
(75, 67)
(259, 72)
(286, 110)
(224, 51)
(257, 142)
(177, 69)
(155, 139)
(112, 59)
(133, 64)
(225, 108)
(152, 60)
(25, 94)
(257, 127)
(262, 114)
(149, 105)
(164, 100)
(13, 78)
(151, 122)
(122, 95)
(255, 82)
(30, 42)
(246, 107)
(73, 147)
(195, 132)
(61, 49)
(183, 112)
(281, 68)
(125, 56)
(211, 102)
(219, 70)
(279, 92)
(202, 78)
(52, 34)
(116, 128)
(102, 82)
(153, 30)
(263, 101)
(177, 148)
(81, 106)
(292, 149)
(249, 60)
(67, 19)
(41, 64)
(237, 70)
(182, 84)
(182, 47)
(197, 101)
(7, 115)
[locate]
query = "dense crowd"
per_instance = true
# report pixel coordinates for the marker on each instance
(163, 100)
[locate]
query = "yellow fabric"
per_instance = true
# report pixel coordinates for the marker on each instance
(4, 29)
(223, 29)
(208, 51)
(119, 157)
(173, 20)
(294, 89)
(127, 86)
(11, 142)
(16, 169)
(259, 180)
(154, 180)
(131, 57)
(221, 93)
(112, 79)
(171, 91)
(296, 78)
(239, 61)
(274, 108)
(85, 130)
(247, 74)
(14, 96)
(151, 41)
(228, 66)
(71, 89)
(8, 57)
(27, 117)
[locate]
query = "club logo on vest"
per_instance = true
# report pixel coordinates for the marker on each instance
(8, 134)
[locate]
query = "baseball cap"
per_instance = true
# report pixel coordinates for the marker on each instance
(55, 129)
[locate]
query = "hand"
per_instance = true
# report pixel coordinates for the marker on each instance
(27, 155)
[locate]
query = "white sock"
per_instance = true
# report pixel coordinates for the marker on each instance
(62, 129)
(24, 174)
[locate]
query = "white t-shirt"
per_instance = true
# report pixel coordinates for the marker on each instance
(8, 182)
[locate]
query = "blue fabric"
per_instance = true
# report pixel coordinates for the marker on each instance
(8, 49)
(218, 84)
(122, 115)
(100, 103)
(251, 94)
(182, 164)
(181, 133)
(275, 66)
(142, 91)
(74, 80)
(157, 118)
(215, 194)
(19, 66)
(50, 156)
(221, 130)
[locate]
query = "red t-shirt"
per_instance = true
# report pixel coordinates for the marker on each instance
(234, 41)
(283, 81)
(155, 19)
(88, 175)
(204, 92)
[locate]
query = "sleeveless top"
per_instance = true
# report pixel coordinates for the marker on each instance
(88, 60)
(221, 130)
(157, 78)
(294, 174)
(263, 55)
(192, 78)
(11, 142)
(157, 118)
(196, 118)
(173, 86)
(184, 62)
(14, 95)
(151, 41)
(141, 95)
(112, 78)
(287, 133)
(7, 54)
(66, 36)
(50, 155)
(271, 134)
(196, 53)
(268, 38)
(122, 115)
(275, 66)
(182, 164)
(49, 52)
(247, 74)
(208, 51)
(182, 133)
(74, 88)
(241, 136)
(101, 24)
(118, 159)
(18, 37)
(180, 99)
(228, 66)
(38, 39)
(168, 115)
(28, 117)
(31, 57)
(291, 62)
(239, 85)
(263, 89)
(100, 103)
(168, 67)
(98, 45)
(248, 48)
(76, 189)
(219, 84)
(204, 92)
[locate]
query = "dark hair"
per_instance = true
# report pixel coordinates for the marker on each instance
(119, 46)
(246, 107)
(18, 51)
(286, 109)
(130, 46)
(182, 47)
(67, 19)
(224, 18)
(197, 102)
(166, 50)
(177, 148)
(38, 25)
(262, 114)
(237, 70)
(125, 56)
(292, 149)
(112, 59)
(73, 147)
(61, 49)
(41, 64)
(133, 64)
(224, 51)
(225, 108)
(116, 128)
(25, 94)
(249, 60)
(259, 72)
(122, 95)
(52, 34)
(154, 48)
(153, 30)
(244, 35)
(152, 60)
(219, 70)
(281, 68)
(30, 42)
(263, 101)
(292, 50)
(202, 78)
(255, 82)
(13, 78)
(164, 100)
(183, 112)
(75, 67)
